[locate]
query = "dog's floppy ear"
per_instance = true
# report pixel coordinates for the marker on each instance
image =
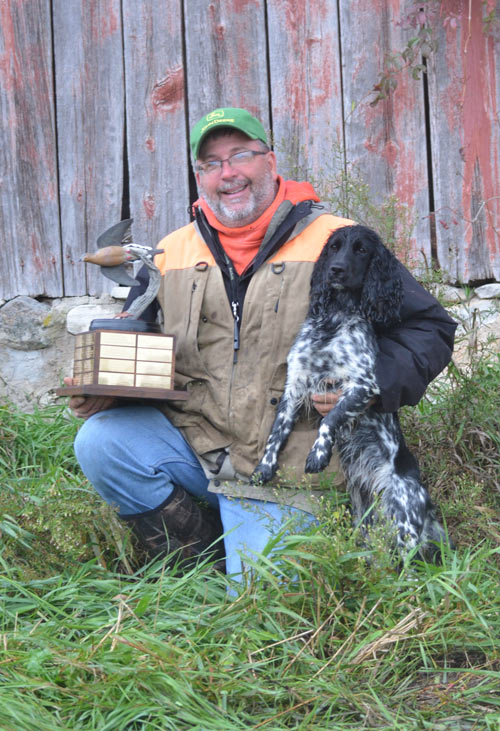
(382, 291)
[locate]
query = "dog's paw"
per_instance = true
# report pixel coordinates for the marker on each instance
(262, 474)
(317, 460)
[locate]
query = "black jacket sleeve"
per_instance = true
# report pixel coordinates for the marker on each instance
(151, 311)
(416, 350)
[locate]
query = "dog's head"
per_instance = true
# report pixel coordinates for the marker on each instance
(355, 260)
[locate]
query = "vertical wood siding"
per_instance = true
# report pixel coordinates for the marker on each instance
(306, 88)
(156, 124)
(30, 241)
(226, 56)
(464, 78)
(97, 97)
(386, 142)
(88, 60)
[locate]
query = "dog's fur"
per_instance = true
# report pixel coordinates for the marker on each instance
(355, 286)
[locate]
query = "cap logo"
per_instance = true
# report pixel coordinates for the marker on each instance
(217, 114)
(233, 117)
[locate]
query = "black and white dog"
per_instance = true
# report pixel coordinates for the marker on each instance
(355, 285)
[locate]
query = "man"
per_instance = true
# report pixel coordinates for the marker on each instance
(235, 292)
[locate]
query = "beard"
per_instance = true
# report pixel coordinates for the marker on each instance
(261, 195)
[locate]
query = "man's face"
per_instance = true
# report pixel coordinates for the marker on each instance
(237, 194)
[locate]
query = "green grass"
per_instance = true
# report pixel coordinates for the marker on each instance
(326, 635)
(50, 517)
(325, 643)
(455, 431)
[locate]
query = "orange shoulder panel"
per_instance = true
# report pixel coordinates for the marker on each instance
(183, 249)
(307, 246)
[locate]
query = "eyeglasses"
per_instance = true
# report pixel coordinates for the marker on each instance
(238, 160)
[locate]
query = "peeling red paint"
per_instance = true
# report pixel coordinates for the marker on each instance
(390, 153)
(468, 101)
(479, 146)
(76, 191)
(386, 137)
(168, 93)
(104, 21)
(36, 259)
(383, 140)
(10, 67)
(217, 29)
(310, 50)
(149, 205)
(240, 6)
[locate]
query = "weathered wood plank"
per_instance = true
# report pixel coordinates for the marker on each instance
(90, 127)
(464, 82)
(156, 121)
(226, 57)
(306, 92)
(386, 143)
(30, 255)
(226, 63)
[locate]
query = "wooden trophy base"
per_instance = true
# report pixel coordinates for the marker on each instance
(124, 363)
(123, 391)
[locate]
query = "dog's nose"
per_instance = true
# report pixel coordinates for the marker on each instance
(336, 270)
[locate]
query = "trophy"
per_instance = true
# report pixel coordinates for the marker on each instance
(124, 356)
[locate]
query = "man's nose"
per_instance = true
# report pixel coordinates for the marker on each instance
(227, 170)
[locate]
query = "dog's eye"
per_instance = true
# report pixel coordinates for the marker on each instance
(360, 249)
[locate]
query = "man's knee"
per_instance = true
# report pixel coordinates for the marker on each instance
(94, 438)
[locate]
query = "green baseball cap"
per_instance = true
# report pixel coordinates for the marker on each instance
(239, 119)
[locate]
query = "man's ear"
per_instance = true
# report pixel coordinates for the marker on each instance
(273, 163)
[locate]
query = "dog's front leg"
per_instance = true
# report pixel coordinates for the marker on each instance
(349, 406)
(321, 452)
(286, 416)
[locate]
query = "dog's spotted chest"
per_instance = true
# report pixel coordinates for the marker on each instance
(342, 354)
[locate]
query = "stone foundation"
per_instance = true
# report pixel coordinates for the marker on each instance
(37, 342)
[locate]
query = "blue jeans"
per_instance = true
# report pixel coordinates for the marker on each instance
(133, 456)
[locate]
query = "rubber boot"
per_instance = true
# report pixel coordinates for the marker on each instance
(180, 526)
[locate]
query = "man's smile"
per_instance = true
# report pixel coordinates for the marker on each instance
(234, 190)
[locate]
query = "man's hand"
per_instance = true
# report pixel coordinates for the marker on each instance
(86, 406)
(324, 402)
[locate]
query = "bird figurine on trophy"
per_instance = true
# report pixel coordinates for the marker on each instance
(124, 356)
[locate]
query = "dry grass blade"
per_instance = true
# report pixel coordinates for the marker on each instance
(401, 631)
(286, 711)
(311, 639)
(358, 624)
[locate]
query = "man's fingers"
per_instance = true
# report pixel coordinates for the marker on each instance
(324, 402)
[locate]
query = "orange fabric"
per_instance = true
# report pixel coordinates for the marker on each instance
(183, 249)
(308, 245)
(242, 244)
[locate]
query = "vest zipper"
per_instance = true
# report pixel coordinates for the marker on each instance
(236, 331)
